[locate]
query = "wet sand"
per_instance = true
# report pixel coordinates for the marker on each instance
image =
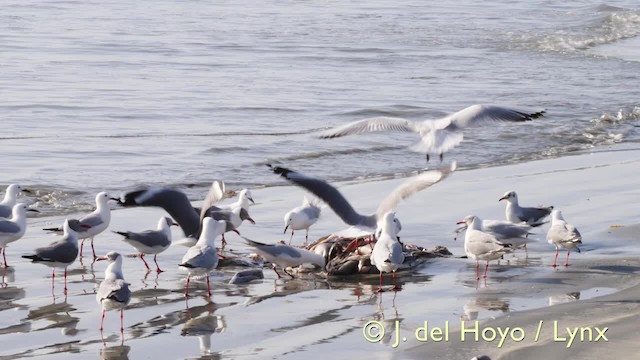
(316, 317)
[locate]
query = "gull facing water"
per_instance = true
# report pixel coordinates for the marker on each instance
(439, 135)
(11, 199)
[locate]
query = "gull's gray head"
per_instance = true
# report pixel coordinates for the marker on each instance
(113, 256)
(510, 196)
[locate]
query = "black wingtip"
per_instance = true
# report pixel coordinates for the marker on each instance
(121, 233)
(279, 170)
(189, 266)
(52, 229)
(31, 257)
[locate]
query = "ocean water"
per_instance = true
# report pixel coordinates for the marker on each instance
(110, 96)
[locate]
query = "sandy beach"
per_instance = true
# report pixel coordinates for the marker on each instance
(317, 317)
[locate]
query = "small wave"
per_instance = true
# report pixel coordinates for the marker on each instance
(320, 154)
(614, 25)
(392, 110)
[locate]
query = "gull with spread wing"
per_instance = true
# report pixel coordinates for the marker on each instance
(438, 135)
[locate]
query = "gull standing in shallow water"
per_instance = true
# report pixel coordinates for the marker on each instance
(285, 255)
(436, 136)
(13, 228)
(113, 292)
(94, 223)
(10, 199)
(387, 253)
(151, 241)
(505, 231)
(60, 253)
(302, 217)
(202, 258)
(332, 197)
(562, 234)
(479, 245)
(533, 216)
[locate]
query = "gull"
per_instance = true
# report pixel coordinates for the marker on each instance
(151, 241)
(440, 135)
(10, 199)
(387, 253)
(202, 258)
(60, 253)
(532, 216)
(480, 245)
(505, 231)
(94, 223)
(13, 228)
(234, 213)
(176, 204)
(337, 202)
(113, 292)
(285, 255)
(562, 234)
(302, 217)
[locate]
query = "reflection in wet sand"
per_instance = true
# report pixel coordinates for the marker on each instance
(117, 352)
(564, 298)
(203, 327)
(483, 303)
(58, 315)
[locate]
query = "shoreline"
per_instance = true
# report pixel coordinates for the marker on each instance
(327, 315)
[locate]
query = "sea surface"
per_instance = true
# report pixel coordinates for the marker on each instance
(115, 95)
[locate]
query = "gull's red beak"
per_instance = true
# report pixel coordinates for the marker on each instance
(461, 222)
(101, 258)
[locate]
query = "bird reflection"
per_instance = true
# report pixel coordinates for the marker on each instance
(58, 315)
(564, 298)
(483, 303)
(117, 352)
(203, 326)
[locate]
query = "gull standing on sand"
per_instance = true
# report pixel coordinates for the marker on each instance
(285, 256)
(113, 292)
(10, 199)
(387, 253)
(480, 245)
(532, 216)
(302, 217)
(562, 234)
(151, 241)
(94, 223)
(202, 258)
(437, 136)
(332, 197)
(13, 228)
(505, 231)
(60, 253)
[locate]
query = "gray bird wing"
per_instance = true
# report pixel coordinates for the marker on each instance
(477, 114)
(116, 290)
(174, 202)
(150, 238)
(91, 220)
(58, 251)
(534, 215)
(8, 227)
(274, 250)
(5, 211)
(200, 257)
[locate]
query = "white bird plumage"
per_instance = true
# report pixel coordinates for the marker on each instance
(562, 234)
(387, 254)
(479, 245)
(202, 258)
(437, 135)
(113, 292)
(517, 214)
(302, 217)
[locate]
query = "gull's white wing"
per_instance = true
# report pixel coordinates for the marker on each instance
(412, 186)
